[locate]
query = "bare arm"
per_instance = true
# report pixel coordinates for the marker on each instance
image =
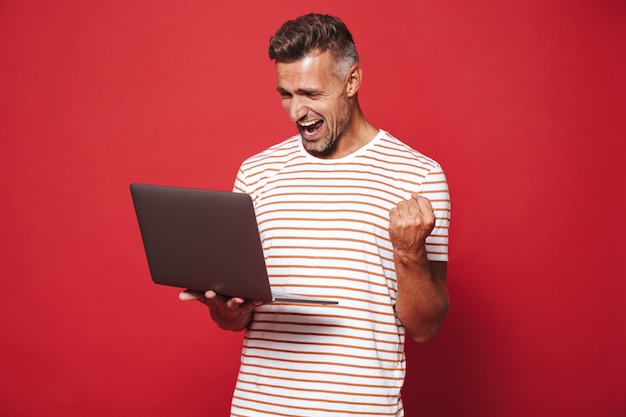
(422, 300)
(233, 314)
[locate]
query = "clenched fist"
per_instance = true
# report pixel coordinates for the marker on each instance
(410, 222)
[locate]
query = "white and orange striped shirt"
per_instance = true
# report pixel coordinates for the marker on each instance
(324, 227)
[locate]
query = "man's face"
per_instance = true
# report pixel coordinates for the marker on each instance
(315, 100)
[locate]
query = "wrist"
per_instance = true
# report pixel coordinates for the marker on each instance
(410, 257)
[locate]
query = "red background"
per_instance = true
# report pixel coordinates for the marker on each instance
(523, 103)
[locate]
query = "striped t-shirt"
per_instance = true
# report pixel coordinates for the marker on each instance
(324, 228)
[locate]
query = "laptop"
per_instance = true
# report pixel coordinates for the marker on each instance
(205, 240)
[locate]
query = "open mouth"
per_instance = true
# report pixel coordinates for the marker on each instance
(310, 127)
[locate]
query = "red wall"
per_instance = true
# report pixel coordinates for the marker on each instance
(522, 102)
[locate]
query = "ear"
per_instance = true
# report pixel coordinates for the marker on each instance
(353, 82)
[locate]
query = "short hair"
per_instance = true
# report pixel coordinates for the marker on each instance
(314, 33)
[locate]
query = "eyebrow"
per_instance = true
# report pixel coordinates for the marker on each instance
(299, 91)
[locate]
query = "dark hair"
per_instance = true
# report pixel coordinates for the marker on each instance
(313, 33)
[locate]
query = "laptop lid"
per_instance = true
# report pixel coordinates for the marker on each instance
(204, 240)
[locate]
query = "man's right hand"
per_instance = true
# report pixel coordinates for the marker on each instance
(229, 313)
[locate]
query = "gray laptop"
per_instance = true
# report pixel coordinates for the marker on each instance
(205, 240)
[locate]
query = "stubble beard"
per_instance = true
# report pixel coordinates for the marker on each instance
(327, 144)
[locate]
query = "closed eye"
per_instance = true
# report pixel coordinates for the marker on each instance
(283, 93)
(311, 94)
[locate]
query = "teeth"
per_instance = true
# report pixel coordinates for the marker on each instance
(309, 123)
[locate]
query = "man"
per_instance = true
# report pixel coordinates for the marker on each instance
(345, 211)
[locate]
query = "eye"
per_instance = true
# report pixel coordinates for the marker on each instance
(284, 94)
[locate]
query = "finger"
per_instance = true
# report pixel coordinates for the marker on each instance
(393, 213)
(235, 302)
(419, 198)
(189, 295)
(230, 302)
(424, 204)
(405, 208)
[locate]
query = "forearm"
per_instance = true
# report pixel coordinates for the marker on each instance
(422, 300)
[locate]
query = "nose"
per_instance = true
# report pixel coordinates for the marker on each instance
(296, 108)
